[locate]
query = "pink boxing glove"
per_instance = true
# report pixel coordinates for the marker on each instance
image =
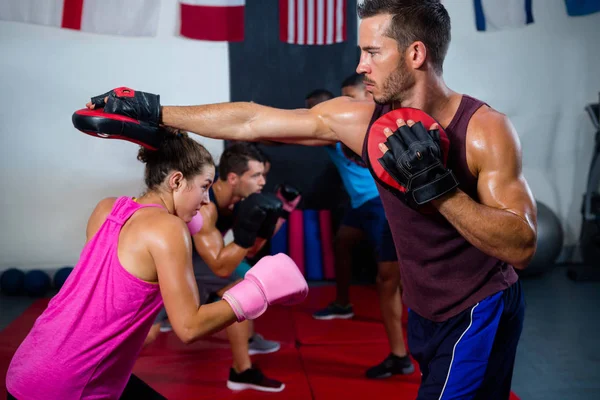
(196, 223)
(273, 280)
(289, 196)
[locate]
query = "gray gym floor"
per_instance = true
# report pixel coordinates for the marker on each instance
(559, 353)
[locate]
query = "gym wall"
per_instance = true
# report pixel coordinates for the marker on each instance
(541, 76)
(285, 84)
(53, 175)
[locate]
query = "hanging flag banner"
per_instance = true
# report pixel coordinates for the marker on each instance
(497, 15)
(312, 22)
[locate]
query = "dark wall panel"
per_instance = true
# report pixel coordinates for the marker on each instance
(267, 71)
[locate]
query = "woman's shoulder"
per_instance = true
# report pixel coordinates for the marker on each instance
(101, 211)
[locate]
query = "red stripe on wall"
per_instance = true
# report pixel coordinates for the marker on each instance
(212, 23)
(283, 20)
(72, 11)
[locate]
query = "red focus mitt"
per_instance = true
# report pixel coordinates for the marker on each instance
(414, 167)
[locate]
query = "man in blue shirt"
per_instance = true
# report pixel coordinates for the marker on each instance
(365, 217)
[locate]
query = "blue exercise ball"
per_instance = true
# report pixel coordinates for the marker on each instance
(37, 283)
(550, 237)
(12, 282)
(61, 276)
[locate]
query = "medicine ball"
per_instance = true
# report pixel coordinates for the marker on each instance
(37, 283)
(12, 282)
(549, 242)
(61, 276)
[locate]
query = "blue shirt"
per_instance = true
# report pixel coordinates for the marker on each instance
(358, 181)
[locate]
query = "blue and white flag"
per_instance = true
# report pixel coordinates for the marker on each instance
(577, 8)
(496, 15)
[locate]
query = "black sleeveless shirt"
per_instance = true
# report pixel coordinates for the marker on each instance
(442, 273)
(224, 221)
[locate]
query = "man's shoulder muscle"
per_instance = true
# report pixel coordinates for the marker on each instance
(491, 136)
(348, 119)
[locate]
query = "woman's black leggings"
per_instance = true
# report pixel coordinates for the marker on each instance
(135, 389)
(138, 389)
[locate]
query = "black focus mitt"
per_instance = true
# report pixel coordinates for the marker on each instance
(114, 126)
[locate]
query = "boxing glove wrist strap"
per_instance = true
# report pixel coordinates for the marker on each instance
(246, 300)
(434, 189)
(244, 239)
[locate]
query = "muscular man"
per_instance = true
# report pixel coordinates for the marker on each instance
(241, 173)
(458, 259)
(365, 218)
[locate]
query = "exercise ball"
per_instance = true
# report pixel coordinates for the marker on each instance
(61, 276)
(549, 242)
(12, 282)
(37, 283)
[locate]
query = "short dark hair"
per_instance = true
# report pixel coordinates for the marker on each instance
(353, 80)
(235, 159)
(177, 152)
(321, 94)
(415, 20)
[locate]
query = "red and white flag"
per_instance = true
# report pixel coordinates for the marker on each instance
(215, 20)
(110, 17)
(312, 22)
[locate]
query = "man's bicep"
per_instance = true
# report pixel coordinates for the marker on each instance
(500, 182)
(508, 192)
(337, 120)
(208, 243)
(348, 120)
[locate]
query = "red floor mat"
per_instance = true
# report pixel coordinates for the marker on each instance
(12, 336)
(365, 327)
(338, 372)
(310, 331)
(186, 376)
(331, 366)
(363, 298)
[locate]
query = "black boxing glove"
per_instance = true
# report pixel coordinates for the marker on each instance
(289, 196)
(414, 160)
(250, 215)
(273, 207)
(132, 103)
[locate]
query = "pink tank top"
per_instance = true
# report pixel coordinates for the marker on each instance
(85, 344)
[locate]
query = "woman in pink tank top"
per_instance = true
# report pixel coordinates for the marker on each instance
(138, 251)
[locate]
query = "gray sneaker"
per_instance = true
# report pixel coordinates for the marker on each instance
(257, 344)
(165, 326)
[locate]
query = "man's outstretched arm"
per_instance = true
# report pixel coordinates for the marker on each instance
(340, 119)
(247, 122)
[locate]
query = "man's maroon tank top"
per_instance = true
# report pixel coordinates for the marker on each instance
(442, 273)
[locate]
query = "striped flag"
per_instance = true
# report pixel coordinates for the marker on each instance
(577, 8)
(312, 22)
(496, 15)
(111, 17)
(214, 20)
